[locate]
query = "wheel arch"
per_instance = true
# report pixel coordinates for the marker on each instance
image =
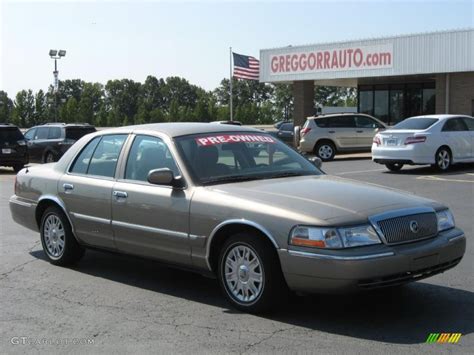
(228, 228)
(48, 201)
(329, 140)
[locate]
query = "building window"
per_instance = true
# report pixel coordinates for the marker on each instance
(414, 96)
(397, 104)
(381, 104)
(366, 101)
(429, 99)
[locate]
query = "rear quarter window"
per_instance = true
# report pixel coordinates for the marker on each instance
(10, 134)
(321, 122)
(75, 133)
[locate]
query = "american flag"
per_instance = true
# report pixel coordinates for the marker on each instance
(245, 67)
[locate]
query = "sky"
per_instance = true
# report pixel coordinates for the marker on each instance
(133, 39)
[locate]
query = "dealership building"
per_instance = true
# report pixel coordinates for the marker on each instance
(396, 77)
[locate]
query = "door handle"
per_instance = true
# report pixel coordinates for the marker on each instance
(68, 187)
(120, 194)
(360, 131)
(331, 131)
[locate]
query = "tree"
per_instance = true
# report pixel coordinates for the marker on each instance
(6, 107)
(24, 109)
(41, 108)
(69, 112)
(122, 100)
(90, 102)
(283, 97)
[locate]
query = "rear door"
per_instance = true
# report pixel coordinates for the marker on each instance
(151, 220)
(456, 134)
(37, 144)
(366, 128)
(87, 189)
(286, 133)
(342, 130)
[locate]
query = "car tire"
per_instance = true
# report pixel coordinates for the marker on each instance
(325, 150)
(49, 158)
(394, 166)
(17, 168)
(250, 274)
(443, 159)
(59, 244)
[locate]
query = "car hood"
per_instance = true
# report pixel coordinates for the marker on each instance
(319, 199)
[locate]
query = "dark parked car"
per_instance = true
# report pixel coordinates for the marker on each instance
(47, 143)
(13, 151)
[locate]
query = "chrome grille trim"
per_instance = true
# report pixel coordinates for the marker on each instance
(393, 226)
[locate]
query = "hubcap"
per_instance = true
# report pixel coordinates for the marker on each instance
(243, 274)
(54, 236)
(325, 151)
(443, 159)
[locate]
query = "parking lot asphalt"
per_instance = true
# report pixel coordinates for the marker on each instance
(112, 303)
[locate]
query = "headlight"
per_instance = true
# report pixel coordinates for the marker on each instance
(333, 238)
(445, 220)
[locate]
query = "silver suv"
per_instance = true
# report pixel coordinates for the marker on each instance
(327, 135)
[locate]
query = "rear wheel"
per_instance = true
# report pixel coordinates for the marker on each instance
(325, 150)
(394, 166)
(250, 275)
(443, 159)
(59, 244)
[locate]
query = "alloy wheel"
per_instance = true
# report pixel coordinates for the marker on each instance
(325, 151)
(54, 236)
(244, 276)
(443, 159)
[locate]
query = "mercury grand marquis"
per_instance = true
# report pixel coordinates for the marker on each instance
(235, 203)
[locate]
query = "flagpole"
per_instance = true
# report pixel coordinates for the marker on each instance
(230, 83)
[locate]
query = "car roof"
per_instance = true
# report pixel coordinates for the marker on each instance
(339, 114)
(62, 124)
(177, 129)
(439, 117)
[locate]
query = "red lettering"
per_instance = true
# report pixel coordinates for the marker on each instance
(282, 63)
(358, 57)
(311, 61)
(287, 63)
(319, 57)
(342, 63)
(349, 52)
(274, 64)
(294, 62)
(302, 62)
(334, 60)
(326, 59)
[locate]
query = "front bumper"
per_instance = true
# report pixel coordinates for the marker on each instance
(371, 267)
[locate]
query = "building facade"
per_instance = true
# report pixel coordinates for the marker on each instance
(395, 77)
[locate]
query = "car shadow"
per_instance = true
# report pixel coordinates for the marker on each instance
(7, 171)
(404, 315)
(428, 170)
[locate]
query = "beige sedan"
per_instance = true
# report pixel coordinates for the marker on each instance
(200, 197)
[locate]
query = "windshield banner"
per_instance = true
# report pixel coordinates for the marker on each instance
(234, 138)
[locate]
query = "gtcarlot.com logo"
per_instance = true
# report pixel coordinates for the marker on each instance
(22, 340)
(452, 338)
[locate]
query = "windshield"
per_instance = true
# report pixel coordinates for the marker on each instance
(229, 157)
(10, 135)
(416, 123)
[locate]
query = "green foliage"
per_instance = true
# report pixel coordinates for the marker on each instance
(173, 99)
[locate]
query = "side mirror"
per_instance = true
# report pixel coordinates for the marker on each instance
(164, 177)
(317, 162)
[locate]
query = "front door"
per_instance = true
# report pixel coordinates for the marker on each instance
(151, 220)
(457, 136)
(87, 190)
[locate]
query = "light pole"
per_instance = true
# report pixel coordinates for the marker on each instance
(55, 54)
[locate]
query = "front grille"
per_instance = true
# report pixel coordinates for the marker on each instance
(402, 229)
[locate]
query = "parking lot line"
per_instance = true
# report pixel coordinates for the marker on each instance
(436, 178)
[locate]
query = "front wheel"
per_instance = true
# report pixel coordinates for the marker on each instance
(250, 275)
(394, 166)
(59, 244)
(443, 159)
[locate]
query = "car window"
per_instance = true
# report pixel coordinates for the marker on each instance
(54, 133)
(469, 123)
(10, 135)
(106, 154)
(286, 127)
(220, 158)
(416, 123)
(365, 122)
(30, 134)
(148, 153)
(341, 122)
(455, 125)
(42, 133)
(83, 159)
(321, 122)
(75, 133)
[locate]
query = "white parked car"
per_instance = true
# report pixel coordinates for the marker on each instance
(438, 140)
